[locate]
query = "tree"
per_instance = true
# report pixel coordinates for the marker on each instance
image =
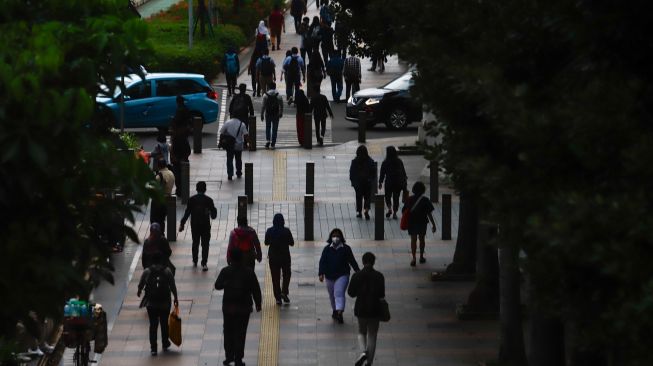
(55, 160)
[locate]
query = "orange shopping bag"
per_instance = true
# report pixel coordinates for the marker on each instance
(174, 326)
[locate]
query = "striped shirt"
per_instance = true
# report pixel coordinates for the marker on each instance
(352, 69)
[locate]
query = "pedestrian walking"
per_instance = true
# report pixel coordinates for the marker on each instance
(326, 14)
(368, 287)
(326, 39)
(282, 74)
(271, 112)
(158, 283)
(241, 106)
(161, 150)
(262, 36)
(240, 287)
(378, 59)
(231, 68)
(302, 107)
(335, 263)
(156, 243)
(244, 238)
(316, 73)
(201, 210)
(251, 70)
(361, 175)
(314, 36)
(295, 72)
(421, 209)
(396, 180)
(265, 68)
(277, 25)
(334, 69)
(297, 10)
(305, 39)
(236, 129)
(352, 74)
(180, 149)
(320, 107)
(279, 239)
(158, 209)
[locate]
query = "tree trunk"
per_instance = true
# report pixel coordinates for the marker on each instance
(546, 339)
(464, 258)
(512, 351)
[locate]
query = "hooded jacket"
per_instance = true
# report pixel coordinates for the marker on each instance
(280, 239)
(245, 239)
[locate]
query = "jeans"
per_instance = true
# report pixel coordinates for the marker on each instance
(291, 88)
(368, 328)
(203, 235)
(392, 197)
(276, 270)
(351, 88)
(337, 291)
(320, 127)
(363, 194)
(231, 83)
(336, 87)
(271, 127)
(234, 333)
(230, 162)
(158, 315)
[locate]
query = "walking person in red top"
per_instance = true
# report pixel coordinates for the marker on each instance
(277, 24)
(244, 238)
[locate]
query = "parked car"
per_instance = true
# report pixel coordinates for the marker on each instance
(151, 102)
(391, 104)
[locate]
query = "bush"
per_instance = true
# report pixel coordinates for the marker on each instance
(249, 14)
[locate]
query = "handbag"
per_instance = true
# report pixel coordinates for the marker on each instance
(174, 326)
(228, 142)
(385, 310)
(405, 215)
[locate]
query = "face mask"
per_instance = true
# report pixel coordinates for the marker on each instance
(335, 240)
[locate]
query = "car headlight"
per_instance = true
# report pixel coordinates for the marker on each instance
(373, 101)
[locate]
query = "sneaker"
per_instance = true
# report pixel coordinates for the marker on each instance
(271, 147)
(339, 317)
(412, 263)
(35, 352)
(358, 214)
(334, 315)
(267, 145)
(388, 213)
(360, 361)
(394, 215)
(422, 260)
(204, 268)
(285, 298)
(227, 362)
(166, 347)
(367, 215)
(229, 177)
(153, 353)
(278, 301)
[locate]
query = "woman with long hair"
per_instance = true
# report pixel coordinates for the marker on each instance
(394, 174)
(420, 210)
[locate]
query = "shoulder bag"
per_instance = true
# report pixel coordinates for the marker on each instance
(405, 215)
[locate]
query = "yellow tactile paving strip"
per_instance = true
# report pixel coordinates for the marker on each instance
(279, 179)
(268, 346)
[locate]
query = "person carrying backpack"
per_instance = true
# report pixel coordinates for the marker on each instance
(326, 38)
(231, 68)
(244, 238)
(265, 69)
(241, 106)
(201, 210)
(361, 175)
(158, 282)
(271, 112)
(294, 70)
(297, 10)
(334, 70)
(156, 243)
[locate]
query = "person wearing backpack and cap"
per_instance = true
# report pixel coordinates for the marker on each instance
(201, 210)
(294, 70)
(158, 282)
(241, 106)
(230, 68)
(244, 238)
(265, 69)
(271, 112)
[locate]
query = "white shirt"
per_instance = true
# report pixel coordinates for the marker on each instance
(231, 127)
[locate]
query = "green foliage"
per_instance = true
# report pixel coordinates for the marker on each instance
(130, 140)
(54, 160)
(246, 16)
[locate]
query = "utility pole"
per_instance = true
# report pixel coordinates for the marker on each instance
(190, 24)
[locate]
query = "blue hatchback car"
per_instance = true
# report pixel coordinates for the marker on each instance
(151, 102)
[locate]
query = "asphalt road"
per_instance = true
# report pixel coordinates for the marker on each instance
(344, 130)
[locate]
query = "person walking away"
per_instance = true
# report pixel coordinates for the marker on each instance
(335, 263)
(277, 24)
(237, 129)
(320, 107)
(326, 37)
(279, 239)
(158, 209)
(244, 238)
(326, 14)
(241, 106)
(271, 112)
(305, 39)
(155, 243)
(262, 36)
(251, 70)
(317, 4)
(396, 180)
(314, 36)
(265, 68)
(161, 150)
(368, 287)
(240, 287)
(297, 10)
(230, 68)
(421, 210)
(303, 107)
(378, 58)
(158, 283)
(316, 73)
(282, 75)
(201, 210)
(295, 72)
(361, 175)
(180, 150)
(334, 70)
(352, 73)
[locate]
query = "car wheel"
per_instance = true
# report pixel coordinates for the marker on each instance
(397, 119)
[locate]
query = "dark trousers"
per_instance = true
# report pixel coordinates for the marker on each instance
(392, 197)
(291, 88)
(158, 315)
(317, 3)
(326, 52)
(336, 87)
(363, 197)
(298, 21)
(234, 334)
(255, 85)
(201, 234)
(231, 154)
(276, 269)
(158, 213)
(303, 53)
(351, 88)
(231, 83)
(320, 127)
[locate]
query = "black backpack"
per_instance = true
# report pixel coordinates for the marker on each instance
(292, 70)
(239, 105)
(272, 106)
(267, 68)
(157, 287)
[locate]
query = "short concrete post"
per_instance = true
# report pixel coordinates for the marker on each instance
(185, 181)
(446, 217)
(362, 126)
(251, 130)
(378, 217)
(310, 177)
(249, 182)
(242, 206)
(308, 216)
(171, 225)
(308, 131)
(197, 135)
(434, 182)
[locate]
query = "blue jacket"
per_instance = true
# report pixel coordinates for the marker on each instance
(335, 262)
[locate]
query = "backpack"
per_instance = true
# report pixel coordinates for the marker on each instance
(231, 64)
(239, 105)
(267, 68)
(272, 106)
(157, 287)
(292, 69)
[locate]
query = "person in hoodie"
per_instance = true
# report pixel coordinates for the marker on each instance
(271, 112)
(279, 239)
(245, 239)
(362, 177)
(231, 68)
(394, 174)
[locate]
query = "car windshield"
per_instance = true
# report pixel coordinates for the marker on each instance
(403, 82)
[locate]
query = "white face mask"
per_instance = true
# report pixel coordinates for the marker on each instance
(335, 240)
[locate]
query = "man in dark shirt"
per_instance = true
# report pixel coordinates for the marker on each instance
(320, 107)
(201, 209)
(241, 106)
(240, 285)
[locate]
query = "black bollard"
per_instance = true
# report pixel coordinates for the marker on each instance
(308, 131)
(375, 189)
(362, 126)
(251, 130)
(197, 135)
(249, 182)
(378, 217)
(242, 206)
(171, 226)
(446, 217)
(185, 181)
(310, 177)
(435, 183)
(308, 216)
